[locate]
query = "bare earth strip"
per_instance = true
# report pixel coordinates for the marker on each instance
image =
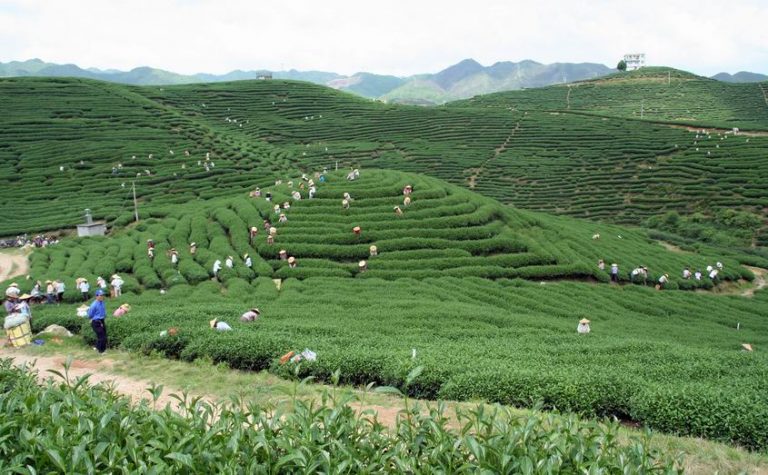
(12, 264)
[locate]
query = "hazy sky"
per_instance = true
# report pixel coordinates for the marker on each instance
(398, 37)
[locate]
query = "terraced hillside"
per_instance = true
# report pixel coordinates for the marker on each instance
(602, 168)
(652, 94)
(444, 231)
(67, 144)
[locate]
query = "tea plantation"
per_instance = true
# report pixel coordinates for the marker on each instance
(445, 284)
(483, 296)
(591, 163)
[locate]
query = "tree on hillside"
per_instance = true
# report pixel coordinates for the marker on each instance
(622, 66)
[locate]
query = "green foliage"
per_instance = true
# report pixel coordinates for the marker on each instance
(223, 438)
(622, 66)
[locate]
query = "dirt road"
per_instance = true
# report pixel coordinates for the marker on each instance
(13, 264)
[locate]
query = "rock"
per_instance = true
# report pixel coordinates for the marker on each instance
(57, 330)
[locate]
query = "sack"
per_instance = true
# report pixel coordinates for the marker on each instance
(658, 287)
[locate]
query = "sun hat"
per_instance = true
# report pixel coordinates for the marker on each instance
(213, 323)
(99, 293)
(245, 256)
(283, 251)
(746, 346)
(14, 285)
(115, 276)
(583, 320)
(291, 260)
(256, 310)
(25, 297)
(47, 282)
(362, 263)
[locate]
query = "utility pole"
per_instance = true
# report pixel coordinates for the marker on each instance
(669, 78)
(642, 108)
(135, 204)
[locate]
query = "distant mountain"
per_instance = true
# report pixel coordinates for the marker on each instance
(469, 78)
(462, 80)
(740, 77)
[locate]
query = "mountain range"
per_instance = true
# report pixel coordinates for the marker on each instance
(465, 79)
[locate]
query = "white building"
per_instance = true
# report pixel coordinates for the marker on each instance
(634, 61)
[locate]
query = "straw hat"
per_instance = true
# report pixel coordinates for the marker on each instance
(149, 240)
(362, 264)
(746, 346)
(291, 260)
(193, 244)
(245, 256)
(357, 229)
(14, 285)
(213, 323)
(666, 275)
(256, 310)
(115, 276)
(373, 248)
(25, 297)
(126, 306)
(283, 251)
(614, 264)
(273, 230)
(584, 321)
(254, 228)
(79, 279)
(83, 307)
(47, 282)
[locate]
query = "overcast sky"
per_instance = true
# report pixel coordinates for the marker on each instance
(399, 37)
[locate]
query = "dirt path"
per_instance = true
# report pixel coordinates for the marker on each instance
(12, 265)
(759, 282)
(100, 372)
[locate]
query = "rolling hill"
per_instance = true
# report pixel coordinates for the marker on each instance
(574, 162)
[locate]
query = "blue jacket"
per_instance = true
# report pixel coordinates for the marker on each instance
(97, 311)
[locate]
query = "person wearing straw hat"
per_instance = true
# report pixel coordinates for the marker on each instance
(583, 327)
(272, 231)
(283, 254)
(362, 266)
(601, 264)
(373, 250)
(85, 289)
(347, 197)
(13, 291)
(283, 218)
(270, 239)
(286, 205)
(345, 203)
(219, 326)
(277, 209)
(193, 248)
(662, 281)
(296, 195)
(50, 291)
(357, 230)
(713, 275)
(251, 315)
(615, 273)
(122, 310)
(216, 267)
(248, 261)
(97, 312)
(252, 233)
(407, 201)
(174, 255)
(23, 306)
(101, 283)
(292, 262)
(229, 262)
(398, 211)
(117, 285)
(37, 292)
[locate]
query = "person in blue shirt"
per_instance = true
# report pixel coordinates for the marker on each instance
(97, 312)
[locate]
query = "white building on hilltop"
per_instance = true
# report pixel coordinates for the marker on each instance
(634, 61)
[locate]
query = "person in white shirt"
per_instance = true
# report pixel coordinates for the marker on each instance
(697, 274)
(583, 327)
(85, 288)
(117, 285)
(686, 273)
(663, 281)
(248, 262)
(229, 262)
(719, 265)
(216, 267)
(713, 275)
(60, 288)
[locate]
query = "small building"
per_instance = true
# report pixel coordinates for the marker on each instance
(634, 61)
(89, 228)
(264, 76)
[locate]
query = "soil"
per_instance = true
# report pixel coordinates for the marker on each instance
(100, 372)
(759, 282)
(12, 265)
(673, 248)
